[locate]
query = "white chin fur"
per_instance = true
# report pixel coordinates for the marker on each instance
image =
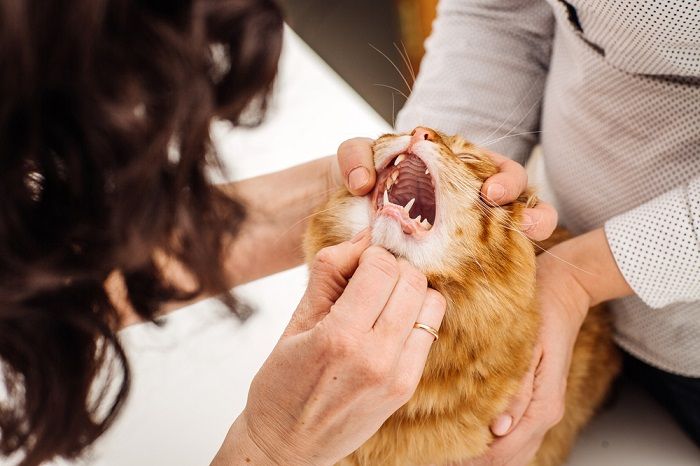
(425, 254)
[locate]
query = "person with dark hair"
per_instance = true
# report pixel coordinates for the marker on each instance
(107, 218)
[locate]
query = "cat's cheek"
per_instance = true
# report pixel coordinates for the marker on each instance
(358, 215)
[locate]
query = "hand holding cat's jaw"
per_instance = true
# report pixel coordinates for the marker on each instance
(507, 185)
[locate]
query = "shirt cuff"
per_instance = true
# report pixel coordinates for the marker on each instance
(657, 246)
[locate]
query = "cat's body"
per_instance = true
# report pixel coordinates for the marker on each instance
(485, 268)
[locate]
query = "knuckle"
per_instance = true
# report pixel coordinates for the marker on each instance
(381, 261)
(412, 276)
(556, 414)
(353, 147)
(336, 345)
(372, 371)
(402, 390)
(325, 259)
(435, 300)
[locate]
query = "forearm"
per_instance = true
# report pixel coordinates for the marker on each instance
(588, 260)
(278, 208)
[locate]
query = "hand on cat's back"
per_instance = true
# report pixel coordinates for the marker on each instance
(354, 168)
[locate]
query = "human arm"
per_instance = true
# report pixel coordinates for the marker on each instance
(483, 74)
(278, 207)
(348, 359)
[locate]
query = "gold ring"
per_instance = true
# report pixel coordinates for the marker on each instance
(428, 329)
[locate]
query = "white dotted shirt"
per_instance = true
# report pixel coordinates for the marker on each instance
(611, 89)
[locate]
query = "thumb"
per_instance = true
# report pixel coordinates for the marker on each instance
(356, 165)
(329, 274)
(507, 421)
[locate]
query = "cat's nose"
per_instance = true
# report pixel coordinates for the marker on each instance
(422, 134)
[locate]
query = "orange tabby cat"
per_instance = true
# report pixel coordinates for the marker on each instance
(426, 208)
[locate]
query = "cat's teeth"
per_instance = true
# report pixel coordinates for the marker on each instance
(395, 176)
(426, 224)
(408, 206)
(386, 197)
(426, 172)
(388, 183)
(399, 159)
(417, 219)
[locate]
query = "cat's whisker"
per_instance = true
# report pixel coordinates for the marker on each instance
(392, 88)
(408, 86)
(481, 267)
(513, 110)
(532, 107)
(406, 60)
(493, 141)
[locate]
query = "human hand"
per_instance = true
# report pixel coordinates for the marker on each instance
(348, 359)
(539, 404)
(354, 168)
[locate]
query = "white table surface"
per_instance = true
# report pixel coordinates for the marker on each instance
(190, 378)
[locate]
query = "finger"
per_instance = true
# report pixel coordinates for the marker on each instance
(519, 446)
(329, 274)
(396, 320)
(356, 165)
(368, 290)
(506, 185)
(507, 421)
(415, 353)
(539, 222)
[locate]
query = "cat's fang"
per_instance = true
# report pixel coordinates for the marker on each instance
(408, 206)
(399, 159)
(386, 197)
(426, 172)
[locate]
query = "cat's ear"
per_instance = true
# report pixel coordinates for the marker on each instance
(476, 158)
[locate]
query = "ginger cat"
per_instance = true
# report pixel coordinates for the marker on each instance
(426, 207)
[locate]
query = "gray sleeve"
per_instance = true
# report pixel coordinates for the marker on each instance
(484, 73)
(657, 246)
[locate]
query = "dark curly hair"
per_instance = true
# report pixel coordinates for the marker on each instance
(105, 108)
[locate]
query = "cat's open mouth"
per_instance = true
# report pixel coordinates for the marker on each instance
(405, 191)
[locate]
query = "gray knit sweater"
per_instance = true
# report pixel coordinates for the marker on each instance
(611, 89)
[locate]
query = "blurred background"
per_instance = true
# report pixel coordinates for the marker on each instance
(352, 35)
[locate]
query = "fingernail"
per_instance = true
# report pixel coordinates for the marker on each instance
(495, 192)
(527, 223)
(502, 424)
(359, 236)
(358, 178)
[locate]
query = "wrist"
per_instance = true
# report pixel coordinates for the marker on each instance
(587, 259)
(241, 447)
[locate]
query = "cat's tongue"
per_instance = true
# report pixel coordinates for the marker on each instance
(408, 225)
